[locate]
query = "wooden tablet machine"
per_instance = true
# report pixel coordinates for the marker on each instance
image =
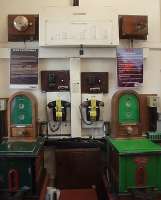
(22, 116)
(126, 120)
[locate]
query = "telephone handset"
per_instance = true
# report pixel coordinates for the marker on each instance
(59, 109)
(92, 110)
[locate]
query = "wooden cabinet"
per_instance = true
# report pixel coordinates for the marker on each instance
(22, 165)
(78, 168)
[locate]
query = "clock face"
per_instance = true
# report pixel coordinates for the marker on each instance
(21, 23)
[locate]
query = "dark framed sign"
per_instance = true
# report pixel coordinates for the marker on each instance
(130, 67)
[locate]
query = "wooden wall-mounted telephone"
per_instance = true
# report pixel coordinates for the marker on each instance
(23, 28)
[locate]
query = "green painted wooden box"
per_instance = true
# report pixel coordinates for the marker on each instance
(21, 165)
(134, 164)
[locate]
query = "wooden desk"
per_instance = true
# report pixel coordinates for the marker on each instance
(78, 168)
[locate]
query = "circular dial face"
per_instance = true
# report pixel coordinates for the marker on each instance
(21, 23)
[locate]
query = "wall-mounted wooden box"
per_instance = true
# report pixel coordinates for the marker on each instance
(52, 81)
(133, 27)
(23, 28)
(94, 82)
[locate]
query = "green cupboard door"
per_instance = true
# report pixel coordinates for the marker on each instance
(24, 168)
(129, 177)
(21, 111)
(129, 109)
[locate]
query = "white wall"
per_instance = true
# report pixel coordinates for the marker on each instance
(152, 65)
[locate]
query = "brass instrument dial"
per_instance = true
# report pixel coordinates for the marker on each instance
(21, 23)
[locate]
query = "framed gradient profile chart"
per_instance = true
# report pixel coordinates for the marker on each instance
(24, 68)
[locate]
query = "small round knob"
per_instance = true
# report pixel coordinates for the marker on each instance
(129, 130)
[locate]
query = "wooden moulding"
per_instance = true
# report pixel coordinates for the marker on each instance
(31, 129)
(120, 130)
